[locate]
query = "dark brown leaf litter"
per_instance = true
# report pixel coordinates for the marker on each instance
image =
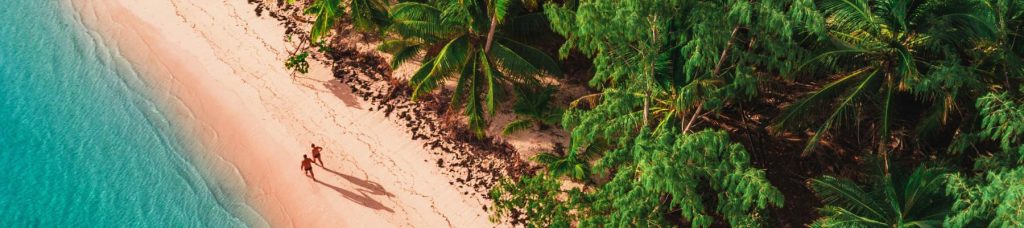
(475, 165)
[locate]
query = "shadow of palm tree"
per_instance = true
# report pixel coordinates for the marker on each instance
(342, 92)
(361, 198)
(369, 186)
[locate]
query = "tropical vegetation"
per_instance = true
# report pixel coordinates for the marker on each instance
(699, 113)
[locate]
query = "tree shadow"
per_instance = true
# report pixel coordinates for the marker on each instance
(368, 186)
(361, 198)
(342, 92)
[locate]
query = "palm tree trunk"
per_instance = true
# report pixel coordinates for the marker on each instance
(490, 34)
(647, 105)
(647, 91)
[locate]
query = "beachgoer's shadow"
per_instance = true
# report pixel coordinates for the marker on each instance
(368, 186)
(361, 198)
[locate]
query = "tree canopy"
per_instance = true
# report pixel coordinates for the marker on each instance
(683, 92)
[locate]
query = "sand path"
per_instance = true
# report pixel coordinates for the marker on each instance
(221, 68)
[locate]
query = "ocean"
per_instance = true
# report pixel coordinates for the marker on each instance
(82, 144)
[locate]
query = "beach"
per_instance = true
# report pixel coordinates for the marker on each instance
(220, 68)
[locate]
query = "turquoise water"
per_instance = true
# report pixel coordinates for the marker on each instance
(80, 146)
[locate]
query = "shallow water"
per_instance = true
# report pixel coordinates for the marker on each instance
(81, 145)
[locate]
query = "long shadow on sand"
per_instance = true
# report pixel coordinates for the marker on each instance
(343, 92)
(361, 198)
(368, 186)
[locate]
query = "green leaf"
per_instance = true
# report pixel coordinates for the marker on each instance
(517, 126)
(326, 13)
(452, 58)
(489, 75)
(536, 58)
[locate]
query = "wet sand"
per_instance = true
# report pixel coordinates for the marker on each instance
(221, 67)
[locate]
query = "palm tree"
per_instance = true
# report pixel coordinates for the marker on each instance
(1004, 54)
(884, 49)
(366, 15)
(533, 108)
(461, 45)
(917, 200)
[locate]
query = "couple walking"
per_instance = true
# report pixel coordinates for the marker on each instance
(307, 164)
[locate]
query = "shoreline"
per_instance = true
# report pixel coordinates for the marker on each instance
(221, 66)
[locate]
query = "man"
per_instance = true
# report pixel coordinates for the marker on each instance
(316, 154)
(307, 166)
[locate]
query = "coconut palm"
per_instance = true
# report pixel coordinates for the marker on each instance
(915, 200)
(460, 45)
(366, 15)
(533, 109)
(884, 49)
(1004, 54)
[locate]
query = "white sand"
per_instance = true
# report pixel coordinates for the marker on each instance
(222, 68)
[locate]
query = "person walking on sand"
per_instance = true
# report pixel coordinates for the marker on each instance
(316, 154)
(307, 166)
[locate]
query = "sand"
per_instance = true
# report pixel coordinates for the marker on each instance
(220, 67)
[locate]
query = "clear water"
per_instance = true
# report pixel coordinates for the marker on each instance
(80, 146)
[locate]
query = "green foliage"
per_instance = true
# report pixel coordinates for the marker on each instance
(298, 63)
(539, 199)
(994, 195)
(1002, 120)
(641, 151)
(533, 108)
(367, 15)
(659, 175)
(883, 50)
(658, 71)
(676, 165)
(574, 165)
(914, 200)
(1003, 55)
(482, 66)
(326, 13)
(995, 199)
(671, 68)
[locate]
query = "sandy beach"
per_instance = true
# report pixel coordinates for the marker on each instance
(221, 67)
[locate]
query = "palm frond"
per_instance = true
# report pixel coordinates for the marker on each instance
(369, 14)
(517, 126)
(416, 11)
(918, 193)
(851, 15)
(326, 13)
(459, 95)
(500, 9)
(794, 115)
(535, 57)
(895, 199)
(839, 217)
(417, 20)
(851, 197)
(491, 76)
(474, 110)
(841, 108)
(422, 76)
(404, 55)
(401, 50)
(512, 64)
(452, 58)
